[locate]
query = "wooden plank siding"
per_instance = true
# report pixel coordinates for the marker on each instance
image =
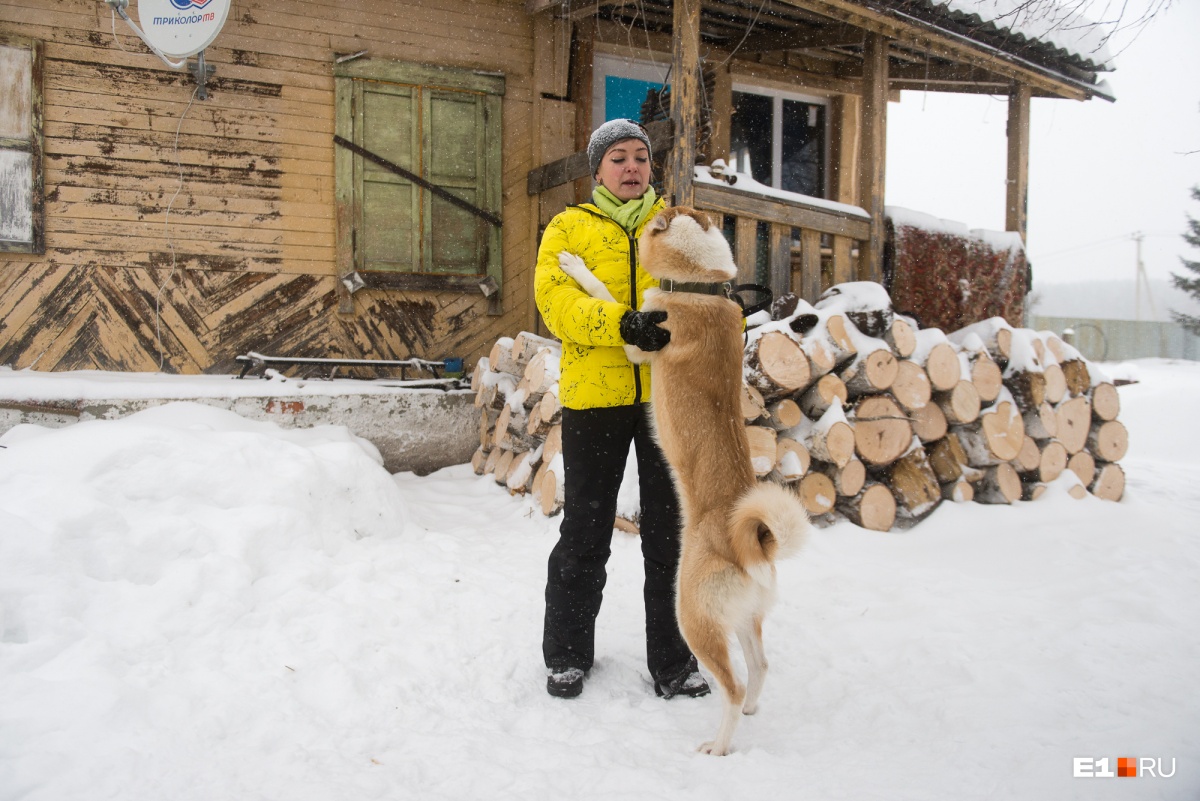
(246, 257)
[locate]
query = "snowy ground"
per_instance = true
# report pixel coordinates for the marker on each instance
(196, 606)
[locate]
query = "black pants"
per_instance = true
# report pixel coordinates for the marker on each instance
(595, 446)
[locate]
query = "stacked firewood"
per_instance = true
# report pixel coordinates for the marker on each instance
(870, 417)
(520, 439)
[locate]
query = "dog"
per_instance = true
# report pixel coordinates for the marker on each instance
(734, 527)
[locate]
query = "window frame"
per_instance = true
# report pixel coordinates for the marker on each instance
(426, 78)
(34, 145)
(778, 96)
(606, 65)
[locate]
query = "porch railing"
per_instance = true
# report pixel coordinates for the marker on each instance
(843, 225)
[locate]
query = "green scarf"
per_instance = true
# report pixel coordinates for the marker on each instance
(629, 214)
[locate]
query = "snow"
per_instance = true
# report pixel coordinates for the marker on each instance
(197, 606)
(995, 240)
(728, 176)
(1058, 23)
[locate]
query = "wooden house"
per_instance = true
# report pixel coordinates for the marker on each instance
(369, 179)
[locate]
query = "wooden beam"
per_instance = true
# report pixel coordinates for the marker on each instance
(685, 100)
(873, 152)
(791, 213)
(1016, 206)
(929, 38)
(575, 166)
(571, 8)
(800, 38)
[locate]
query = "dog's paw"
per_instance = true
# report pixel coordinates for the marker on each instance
(569, 262)
(636, 354)
(750, 709)
(713, 749)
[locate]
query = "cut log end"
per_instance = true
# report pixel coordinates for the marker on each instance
(1109, 482)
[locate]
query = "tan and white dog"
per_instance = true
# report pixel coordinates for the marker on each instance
(734, 527)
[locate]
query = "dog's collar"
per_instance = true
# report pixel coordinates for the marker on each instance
(723, 288)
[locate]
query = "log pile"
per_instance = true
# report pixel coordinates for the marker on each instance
(870, 417)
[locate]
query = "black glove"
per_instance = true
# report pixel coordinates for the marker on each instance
(641, 330)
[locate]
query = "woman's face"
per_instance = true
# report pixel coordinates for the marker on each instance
(625, 169)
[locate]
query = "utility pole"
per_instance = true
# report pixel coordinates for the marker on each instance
(1142, 279)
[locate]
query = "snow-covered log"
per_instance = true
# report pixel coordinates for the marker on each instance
(1108, 441)
(827, 390)
(775, 365)
(882, 431)
(848, 479)
(1074, 423)
(960, 403)
(872, 508)
(911, 389)
(913, 483)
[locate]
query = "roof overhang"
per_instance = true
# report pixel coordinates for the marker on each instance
(931, 47)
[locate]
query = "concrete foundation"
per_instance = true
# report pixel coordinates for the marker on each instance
(415, 431)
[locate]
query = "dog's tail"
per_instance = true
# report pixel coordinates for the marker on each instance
(767, 523)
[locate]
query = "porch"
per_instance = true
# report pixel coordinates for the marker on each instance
(854, 57)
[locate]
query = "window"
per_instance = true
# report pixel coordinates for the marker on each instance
(441, 128)
(22, 228)
(620, 85)
(783, 138)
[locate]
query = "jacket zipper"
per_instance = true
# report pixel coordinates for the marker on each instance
(637, 370)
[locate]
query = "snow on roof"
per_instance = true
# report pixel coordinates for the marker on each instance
(1046, 21)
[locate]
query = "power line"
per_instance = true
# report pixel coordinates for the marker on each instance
(1131, 236)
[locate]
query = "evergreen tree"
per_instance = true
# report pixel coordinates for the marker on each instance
(1190, 285)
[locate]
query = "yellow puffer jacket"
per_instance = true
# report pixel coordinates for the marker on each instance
(595, 372)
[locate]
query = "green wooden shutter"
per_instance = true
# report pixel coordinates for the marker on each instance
(443, 124)
(454, 143)
(386, 123)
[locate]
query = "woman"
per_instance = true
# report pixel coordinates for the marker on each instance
(604, 398)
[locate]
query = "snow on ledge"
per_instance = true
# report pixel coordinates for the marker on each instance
(100, 385)
(730, 178)
(996, 240)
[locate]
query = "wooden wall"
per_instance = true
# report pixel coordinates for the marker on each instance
(245, 258)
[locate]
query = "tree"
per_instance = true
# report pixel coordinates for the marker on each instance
(1189, 285)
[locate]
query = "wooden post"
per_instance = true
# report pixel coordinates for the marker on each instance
(747, 250)
(810, 264)
(779, 259)
(843, 159)
(583, 46)
(873, 152)
(1018, 159)
(722, 114)
(685, 100)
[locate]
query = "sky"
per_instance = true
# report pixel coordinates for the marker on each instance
(1099, 171)
(196, 606)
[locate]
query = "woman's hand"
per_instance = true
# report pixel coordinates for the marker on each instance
(641, 330)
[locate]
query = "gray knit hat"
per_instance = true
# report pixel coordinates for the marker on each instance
(609, 134)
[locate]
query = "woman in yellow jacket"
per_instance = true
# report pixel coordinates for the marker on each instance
(604, 398)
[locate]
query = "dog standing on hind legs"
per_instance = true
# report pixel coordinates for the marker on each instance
(734, 527)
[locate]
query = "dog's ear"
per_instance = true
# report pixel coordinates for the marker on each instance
(661, 222)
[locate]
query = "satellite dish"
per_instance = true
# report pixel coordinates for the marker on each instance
(182, 28)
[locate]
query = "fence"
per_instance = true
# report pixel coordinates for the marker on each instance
(1118, 340)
